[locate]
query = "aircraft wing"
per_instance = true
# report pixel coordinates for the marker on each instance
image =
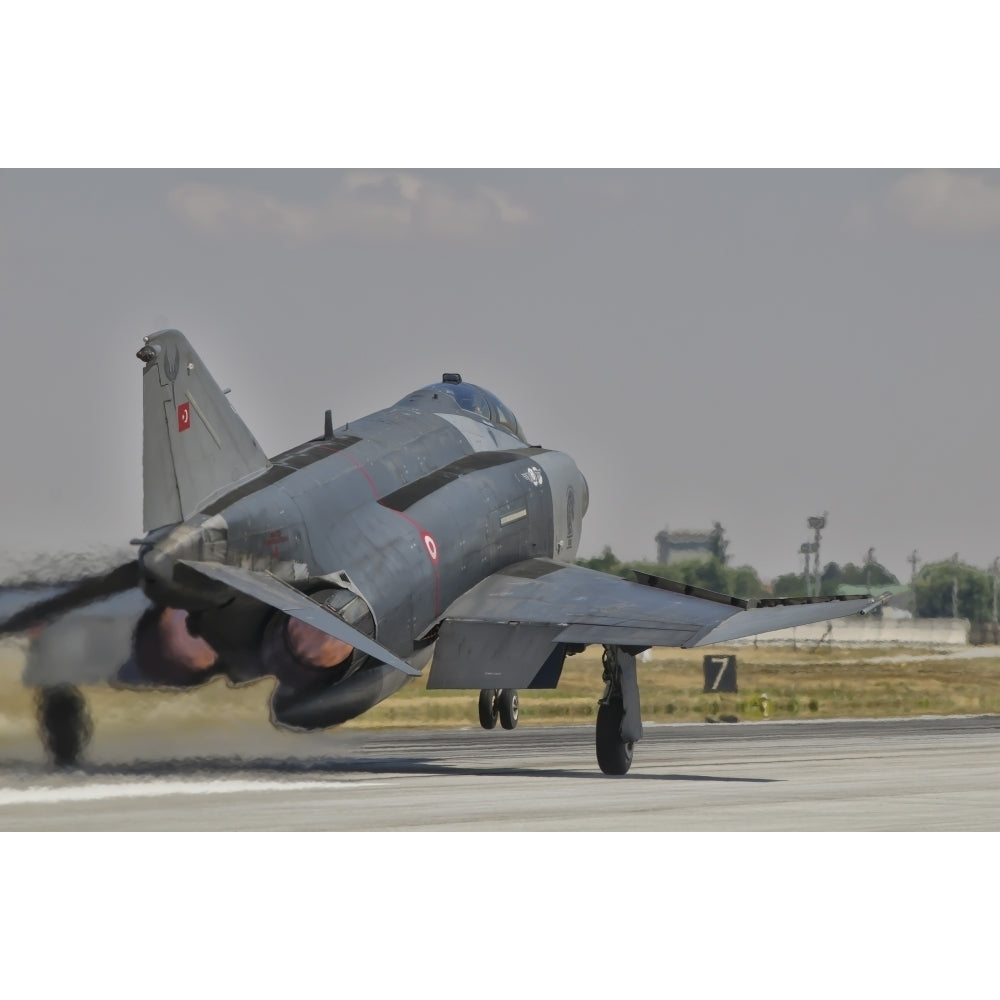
(511, 629)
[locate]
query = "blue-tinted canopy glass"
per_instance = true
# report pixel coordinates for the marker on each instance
(473, 399)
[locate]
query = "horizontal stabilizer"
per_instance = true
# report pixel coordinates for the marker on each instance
(268, 589)
(86, 645)
(73, 595)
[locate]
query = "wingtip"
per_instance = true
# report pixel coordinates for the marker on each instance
(877, 603)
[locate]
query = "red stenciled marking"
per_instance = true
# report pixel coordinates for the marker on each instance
(183, 416)
(429, 544)
(364, 472)
(274, 540)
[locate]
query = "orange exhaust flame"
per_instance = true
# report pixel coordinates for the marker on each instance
(180, 646)
(314, 648)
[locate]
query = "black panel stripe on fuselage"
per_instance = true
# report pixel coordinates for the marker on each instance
(282, 466)
(314, 451)
(406, 496)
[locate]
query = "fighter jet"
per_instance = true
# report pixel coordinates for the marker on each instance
(430, 532)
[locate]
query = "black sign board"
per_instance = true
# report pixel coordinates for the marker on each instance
(720, 674)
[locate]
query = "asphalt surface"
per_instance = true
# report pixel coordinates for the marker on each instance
(906, 774)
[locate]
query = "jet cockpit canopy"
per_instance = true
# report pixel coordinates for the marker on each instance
(465, 396)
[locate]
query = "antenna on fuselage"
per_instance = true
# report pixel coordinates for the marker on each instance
(328, 425)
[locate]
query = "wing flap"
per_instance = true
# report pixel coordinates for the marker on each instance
(477, 655)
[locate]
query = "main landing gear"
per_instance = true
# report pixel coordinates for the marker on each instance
(498, 703)
(619, 722)
(63, 722)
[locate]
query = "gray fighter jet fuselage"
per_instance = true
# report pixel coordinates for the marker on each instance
(387, 520)
(341, 566)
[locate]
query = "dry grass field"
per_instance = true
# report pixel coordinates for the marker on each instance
(774, 683)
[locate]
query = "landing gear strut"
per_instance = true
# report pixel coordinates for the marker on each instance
(498, 704)
(619, 722)
(63, 722)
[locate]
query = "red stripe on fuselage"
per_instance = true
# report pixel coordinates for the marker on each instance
(424, 534)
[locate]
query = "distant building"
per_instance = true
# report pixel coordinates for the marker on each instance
(673, 546)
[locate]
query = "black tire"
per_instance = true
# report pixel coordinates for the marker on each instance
(488, 710)
(508, 708)
(613, 756)
(64, 723)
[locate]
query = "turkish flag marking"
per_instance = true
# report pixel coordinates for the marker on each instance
(183, 416)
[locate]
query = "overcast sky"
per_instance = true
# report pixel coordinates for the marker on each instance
(751, 347)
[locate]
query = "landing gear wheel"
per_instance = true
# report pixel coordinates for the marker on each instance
(64, 723)
(613, 756)
(488, 709)
(507, 703)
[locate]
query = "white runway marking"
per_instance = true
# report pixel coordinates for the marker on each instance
(38, 795)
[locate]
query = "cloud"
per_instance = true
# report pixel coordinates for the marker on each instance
(946, 202)
(375, 206)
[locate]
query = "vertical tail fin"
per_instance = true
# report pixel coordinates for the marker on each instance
(194, 445)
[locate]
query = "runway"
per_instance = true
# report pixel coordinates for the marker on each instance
(913, 774)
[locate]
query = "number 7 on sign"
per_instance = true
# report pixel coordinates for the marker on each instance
(722, 662)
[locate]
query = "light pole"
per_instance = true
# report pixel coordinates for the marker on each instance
(914, 558)
(806, 549)
(995, 571)
(817, 524)
(869, 559)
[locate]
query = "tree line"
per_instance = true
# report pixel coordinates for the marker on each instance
(939, 590)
